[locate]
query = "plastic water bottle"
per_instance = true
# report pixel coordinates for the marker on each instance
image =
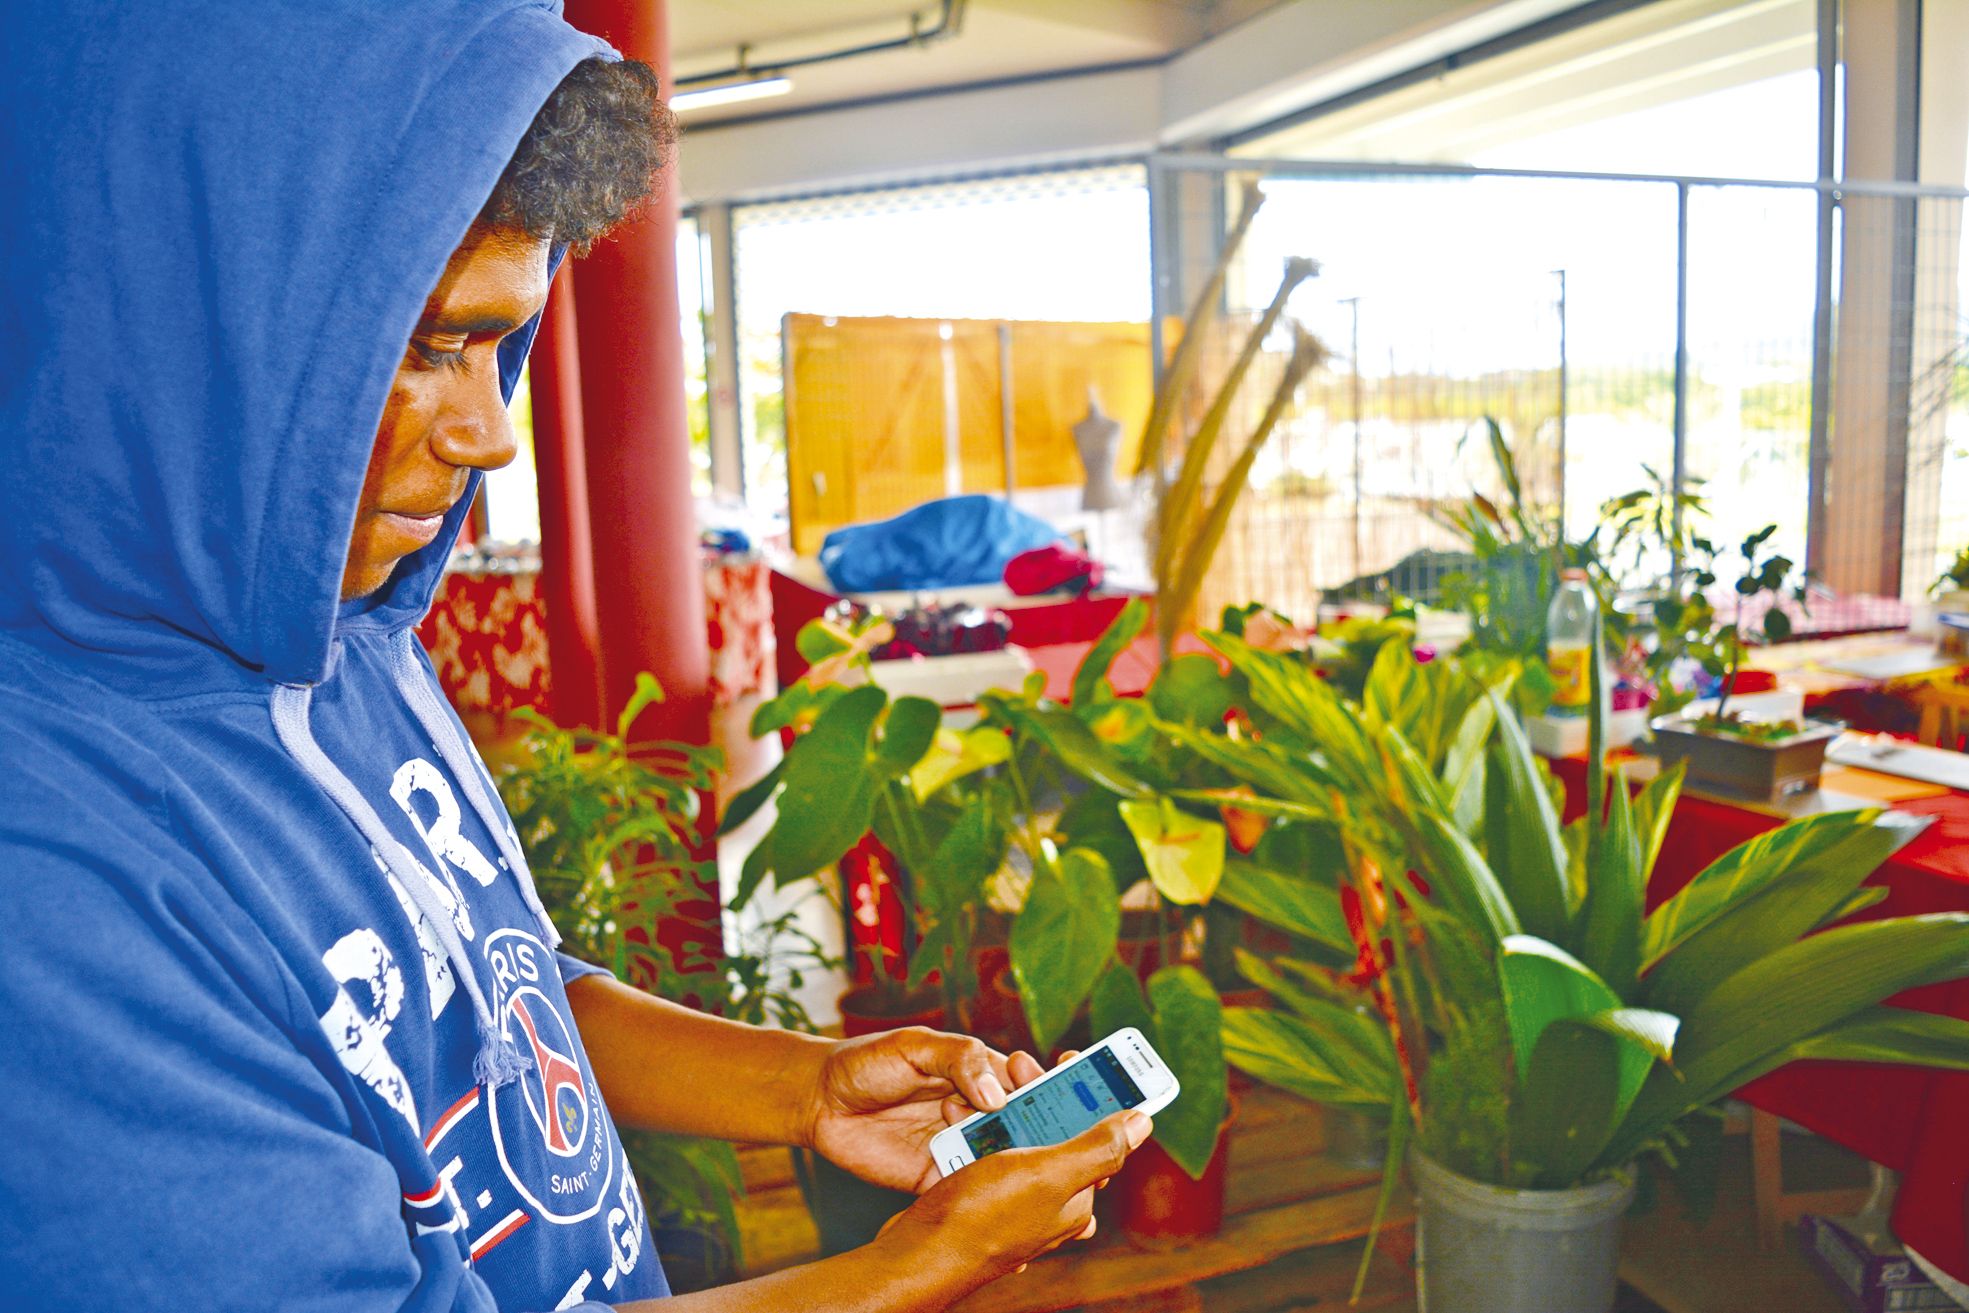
(1571, 624)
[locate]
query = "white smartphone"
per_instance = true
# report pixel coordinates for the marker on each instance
(1120, 1072)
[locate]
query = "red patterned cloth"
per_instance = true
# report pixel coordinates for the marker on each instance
(487, 636)
(738, 625)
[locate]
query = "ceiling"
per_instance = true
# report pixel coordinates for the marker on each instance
(995, 40)
(1657, 54)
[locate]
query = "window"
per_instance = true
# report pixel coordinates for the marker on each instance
(1064, 245)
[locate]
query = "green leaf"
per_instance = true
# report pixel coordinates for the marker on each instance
(1463, 763)
(819, 640)
(1117, 1001)
(1568, 1104)
(1584, 1075)
(1788, 907)
(1542, 983)
(1747, 1025)
(1298, 905)
(952, 756)
(968, 856)
(1581, 1058)
(1184, 853)
(1190, 690)
(648, 690)
(1063, 938)
(1352, 1042)
(1888, 1034)
(1092, 821)
(1090, 679)
(1742, 872)
(907, 733)
(757, 864)
(1651, 1031)
(1308, 989)
(1189, 1021)
(1293, 1054)
(1077, 747)
(1610, 919)
(1523, 841)
(1653, 810)
(829, 798)
(747, 801)
(1458, 871)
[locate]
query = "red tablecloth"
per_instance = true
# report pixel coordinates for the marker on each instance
(1912, 1120)
(487, 636)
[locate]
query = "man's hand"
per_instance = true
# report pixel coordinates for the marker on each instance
(881, 1098)
(1000, 1212)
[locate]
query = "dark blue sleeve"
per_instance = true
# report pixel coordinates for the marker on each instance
(169, 1141)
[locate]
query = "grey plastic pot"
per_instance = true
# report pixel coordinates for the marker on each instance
(1485, 1248)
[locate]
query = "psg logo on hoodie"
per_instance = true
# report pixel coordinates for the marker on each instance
(548, 1126)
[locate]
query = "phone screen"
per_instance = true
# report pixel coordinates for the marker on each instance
(1059, 1109)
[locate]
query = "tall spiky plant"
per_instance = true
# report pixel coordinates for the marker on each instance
(1539, 1027)
(1187, 533)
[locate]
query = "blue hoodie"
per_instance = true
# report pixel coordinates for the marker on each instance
(282, 1023)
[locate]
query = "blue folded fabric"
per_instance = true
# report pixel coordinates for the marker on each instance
(941, 544)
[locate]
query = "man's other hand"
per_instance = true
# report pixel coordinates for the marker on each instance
(880, 1099)
(1003, 1211)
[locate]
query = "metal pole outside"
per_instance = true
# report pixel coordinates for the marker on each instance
(1353, 304)
(1562, 403)
(1819, 450)
(1005, 408)
(1681, 466)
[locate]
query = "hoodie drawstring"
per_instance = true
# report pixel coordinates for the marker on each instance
(498, 1061)
(414, 682)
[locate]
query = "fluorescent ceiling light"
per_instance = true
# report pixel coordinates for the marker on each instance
(729, 94)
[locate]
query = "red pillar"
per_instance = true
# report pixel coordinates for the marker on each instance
(648, 582)
(649, 587)
(567, 560)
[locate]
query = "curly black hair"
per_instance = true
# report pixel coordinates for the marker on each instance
(590, 158)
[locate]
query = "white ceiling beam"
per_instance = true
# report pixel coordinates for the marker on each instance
(1308, 51)
(1083, 117)
(1295, 54)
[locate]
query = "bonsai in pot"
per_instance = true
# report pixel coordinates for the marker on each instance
(609, 828)
(1727, 750)
(1532, 1029)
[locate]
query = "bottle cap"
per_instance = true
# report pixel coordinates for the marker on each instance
(1572, 574)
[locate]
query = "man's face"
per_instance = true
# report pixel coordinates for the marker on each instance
(445, 417)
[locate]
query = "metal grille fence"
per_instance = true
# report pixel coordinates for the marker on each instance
(1619, 329)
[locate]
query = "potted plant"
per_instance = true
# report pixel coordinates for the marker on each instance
(867, 778)
(1951, 594)
(1732, 752)
(1145, 819)
(1516, 555)
(1531, 1028)
(609, 830)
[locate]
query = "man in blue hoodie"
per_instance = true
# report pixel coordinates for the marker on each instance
(281, 1020)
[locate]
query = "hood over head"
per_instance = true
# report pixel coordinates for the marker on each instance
(226, 222)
